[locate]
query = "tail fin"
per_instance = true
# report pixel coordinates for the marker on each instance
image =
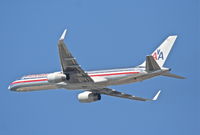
(161, 53)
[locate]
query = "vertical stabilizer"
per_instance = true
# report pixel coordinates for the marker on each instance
(161, 53)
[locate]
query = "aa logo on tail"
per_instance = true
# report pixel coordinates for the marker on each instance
(158, 54)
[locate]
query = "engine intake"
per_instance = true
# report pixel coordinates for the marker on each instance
(56, 77)
(88, 96)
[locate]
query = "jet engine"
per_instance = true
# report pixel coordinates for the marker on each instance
(56, 77)
(88, 96)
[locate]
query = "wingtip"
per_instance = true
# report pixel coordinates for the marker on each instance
(63, 35)
(156, 96)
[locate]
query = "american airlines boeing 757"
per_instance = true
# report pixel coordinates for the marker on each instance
(95, 83)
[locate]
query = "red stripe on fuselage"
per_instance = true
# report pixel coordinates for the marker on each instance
(113, 74)
(94, 75)
(24, 81)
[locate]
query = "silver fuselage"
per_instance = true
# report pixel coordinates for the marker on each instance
(101, 78)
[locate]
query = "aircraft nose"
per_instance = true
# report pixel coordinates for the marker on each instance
(11, 87)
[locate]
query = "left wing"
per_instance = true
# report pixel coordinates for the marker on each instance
(111, 92)
(70, 67)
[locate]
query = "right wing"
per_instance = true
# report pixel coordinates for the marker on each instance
(112, 92)
(69, 65)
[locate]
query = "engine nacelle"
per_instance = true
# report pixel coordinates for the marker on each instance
(88, 96)
(56, 77)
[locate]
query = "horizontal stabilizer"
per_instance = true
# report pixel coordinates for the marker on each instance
(172, 75)
(151, 64)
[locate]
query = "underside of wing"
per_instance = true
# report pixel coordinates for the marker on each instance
(75, 74)
(111, 92)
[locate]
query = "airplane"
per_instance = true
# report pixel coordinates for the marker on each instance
(95, 83)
